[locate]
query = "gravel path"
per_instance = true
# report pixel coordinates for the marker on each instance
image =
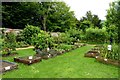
(25, 48)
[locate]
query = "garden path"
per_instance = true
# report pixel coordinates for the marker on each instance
(25, 48)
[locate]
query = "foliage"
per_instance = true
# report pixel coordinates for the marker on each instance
(42, 40)
(69, 37)
(49, 16)
(74, 33)
(85, 24)
(15, 14)
(21, 44)
(65, 38)
(9, 43)
(97, 35)
(30, 32)
(20, 37)
(61, 19)
(113, 32)
(90, 20)
(113, 54)
(2, 34)
(64, 47)
(113, 15)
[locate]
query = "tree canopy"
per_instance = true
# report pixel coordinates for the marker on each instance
(49, 16)
(113, 22)
(90, 19)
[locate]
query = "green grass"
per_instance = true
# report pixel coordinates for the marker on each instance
(70, 65)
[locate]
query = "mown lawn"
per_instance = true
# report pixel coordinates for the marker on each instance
(69, 65)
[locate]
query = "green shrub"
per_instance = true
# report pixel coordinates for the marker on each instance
(42, 40)
(69, 37)
(29, 32)
(21, 44)
(113, 54)
(74, 33)
(65, 38)
(96, 35)
(9, 42)
(20, 37)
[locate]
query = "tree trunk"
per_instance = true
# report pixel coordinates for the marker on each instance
(44, 23)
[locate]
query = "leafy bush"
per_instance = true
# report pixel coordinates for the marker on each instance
(21, 44)
(42, 40)
(74, 33)
(69, 37)
(113, 54)
(65, 38)
(96, 35)
(29, 32)
(20, 37)
(9, 43)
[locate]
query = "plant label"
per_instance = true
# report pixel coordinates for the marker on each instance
(7, 68)
(30, 61)
(109, 47)
(96, 56)
(105, 59)
(30, 57)
(48, 49)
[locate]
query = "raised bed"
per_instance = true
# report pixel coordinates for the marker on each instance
(60, 52)
(11, 54)
(28, 60)
(44, 56)
(108, 61)
(91, 54)
(7, 66)
(53, 52)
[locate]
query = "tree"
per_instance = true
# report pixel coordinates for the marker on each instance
(60, 17)
(49, 16)
(15, 14)
(112, 22)
(90, 19)
(96, 21)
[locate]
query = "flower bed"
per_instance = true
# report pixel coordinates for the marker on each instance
(92, 54)
(28, 60)
(108, 61)
(7, 66)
